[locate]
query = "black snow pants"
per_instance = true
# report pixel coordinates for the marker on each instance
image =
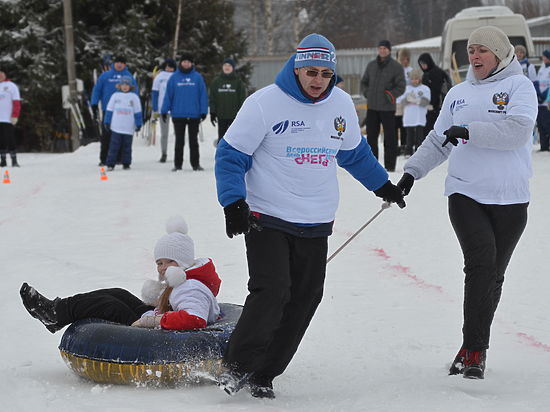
(115, 305)
(487, 235)
(286, 278)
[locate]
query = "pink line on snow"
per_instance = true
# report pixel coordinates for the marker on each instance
(531, 341)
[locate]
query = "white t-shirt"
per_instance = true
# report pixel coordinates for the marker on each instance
(543, 76)
(487, 175)
(124, 106)
(8, 93)
(413, 113)
(293, 147)
(159, 84)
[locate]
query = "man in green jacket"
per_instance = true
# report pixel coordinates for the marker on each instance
(227, 94)
(382, 83)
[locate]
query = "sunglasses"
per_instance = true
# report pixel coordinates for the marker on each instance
(315, 73)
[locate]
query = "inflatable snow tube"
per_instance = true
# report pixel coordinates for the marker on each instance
(107, 352)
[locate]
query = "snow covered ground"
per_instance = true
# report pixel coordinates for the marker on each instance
(381, 340)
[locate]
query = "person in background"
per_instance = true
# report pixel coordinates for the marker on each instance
(122, 118)
(183, 297)
(439, 83)
(10, 109)
(382, 83)
(158, 91)
(404, 59)
(484, 129)
(414, 102)
(186, 100)
(339, 82)
(542, 85)
(102, 92)
(281, 149)
(528, 68)
(227, 94)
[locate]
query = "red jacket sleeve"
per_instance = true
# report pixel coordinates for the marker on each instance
(16, 108)
(181, 320)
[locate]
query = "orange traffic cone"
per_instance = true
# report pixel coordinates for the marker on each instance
(6, 177)
(103, 175)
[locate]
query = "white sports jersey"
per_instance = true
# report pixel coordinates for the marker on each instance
(124, 106)
(489, 175)
(293, 147)
(159, 84)
(413, 113)
(8, 93)
(543, 76)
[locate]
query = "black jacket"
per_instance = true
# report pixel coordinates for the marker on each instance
(435, 78)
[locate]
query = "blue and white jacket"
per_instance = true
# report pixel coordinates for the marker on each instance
(185, 95)
(106, 86)
(281, 151)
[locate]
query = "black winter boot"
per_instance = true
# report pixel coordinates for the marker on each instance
(14, 161)
(3, 162)
(474, 364)
(457, 366)
(39, 307)
(232, 381)
(163, 159)
(261, 386)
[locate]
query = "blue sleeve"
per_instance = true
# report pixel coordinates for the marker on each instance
(166, 102)
(203, 97)
(230, 169)
(97, 91)
(108, 117)
(363, 166)
(155, 100)
(138, 119)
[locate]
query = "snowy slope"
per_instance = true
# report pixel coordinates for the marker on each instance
(381, 340)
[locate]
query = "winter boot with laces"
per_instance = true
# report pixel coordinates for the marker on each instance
(457, 366)
(474, 364)
(39, 307)
(261, 386)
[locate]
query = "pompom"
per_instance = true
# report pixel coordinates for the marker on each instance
(175, 276)
(176, 224)
(151, 291)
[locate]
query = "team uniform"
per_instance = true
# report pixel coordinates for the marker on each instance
(280, 154)
(158, 92)
(10, 108)
(487, 183)
(124, 116)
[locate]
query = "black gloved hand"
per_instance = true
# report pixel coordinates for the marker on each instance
(164, 117)
(203, 116)
(391, 193)
(138, 129)
(238, 219)
(95, 112)
(454, 133)
(405, 183)
(213, 119)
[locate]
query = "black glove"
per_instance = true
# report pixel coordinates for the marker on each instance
(203, 116)
(138, 129)
(238, 219)
(107, 126)
(95, 112)
(454, 133)
(391, 193)
(164, 117)
(405, 183)
(213, 118)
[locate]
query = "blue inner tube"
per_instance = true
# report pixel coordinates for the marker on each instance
(105, 341)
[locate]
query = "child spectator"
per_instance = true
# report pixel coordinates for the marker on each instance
(122, 118)
(415, 101)
(183, 297)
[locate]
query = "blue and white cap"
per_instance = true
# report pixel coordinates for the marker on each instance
(315, 50)
(125, 80)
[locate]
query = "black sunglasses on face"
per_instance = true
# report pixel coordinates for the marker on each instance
(315, 73)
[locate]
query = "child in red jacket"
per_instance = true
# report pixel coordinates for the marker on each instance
(183, 297)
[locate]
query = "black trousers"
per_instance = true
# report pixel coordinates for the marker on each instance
(415, 137)
(431, 117)
(487, 235)
(104, 142)
(179, 129)
(7, 138)
(543, 124)
(387, 119)
(286, 278)
(223, 125)
(116, 305)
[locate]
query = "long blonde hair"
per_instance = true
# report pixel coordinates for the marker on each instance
(164, 302)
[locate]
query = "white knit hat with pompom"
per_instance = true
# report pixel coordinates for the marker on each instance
(176, 244)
